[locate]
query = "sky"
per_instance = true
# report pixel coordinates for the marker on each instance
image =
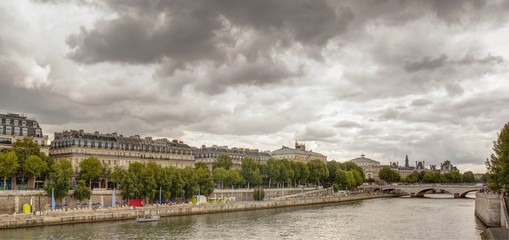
(387, 78)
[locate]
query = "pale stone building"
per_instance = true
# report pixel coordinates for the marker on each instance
(209, 155)
(369, 166)
(299, 154)
(116, 150)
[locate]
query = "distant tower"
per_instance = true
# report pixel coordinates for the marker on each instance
(406, 161)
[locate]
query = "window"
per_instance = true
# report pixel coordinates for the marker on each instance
(24, 131)
(16, 130)
(38, 133)
(34, 124)
(8, 130)
(8, 121)
(24, 123)
(15, 122)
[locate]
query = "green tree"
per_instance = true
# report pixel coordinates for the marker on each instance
(201, 165)
(220, 175)
(273, 170)
(204, 181)
(318, 171)
(433, 177)
(34, 166)
(90, 170)
(498, 164)
(131, 184)
(117, 175)
(8, 165)
(352, 166)
(191, 186)
(342, 178)
(468, 177)
(388, 175)
(82, 191)
(223, 161)
(24, 148)
(250, 171)
(233, 177)
(412, 177)
(452, 177)
(59, 179)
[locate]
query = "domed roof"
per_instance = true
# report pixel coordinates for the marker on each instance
(363, 159)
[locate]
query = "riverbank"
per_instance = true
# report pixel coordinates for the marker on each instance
(126, 213)
(491, 209)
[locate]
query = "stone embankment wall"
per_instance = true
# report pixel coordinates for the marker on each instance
(81, 216)
(487, 208)
(13, 200)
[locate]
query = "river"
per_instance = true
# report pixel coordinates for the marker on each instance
(388, 218)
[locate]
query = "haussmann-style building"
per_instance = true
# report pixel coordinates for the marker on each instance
(15, 126)
(116, 150)
(209, 155)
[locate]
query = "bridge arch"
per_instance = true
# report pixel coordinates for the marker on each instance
(464, 195)
(424, 191)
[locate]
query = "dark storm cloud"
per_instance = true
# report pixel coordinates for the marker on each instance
(193, 30)
(188, 35)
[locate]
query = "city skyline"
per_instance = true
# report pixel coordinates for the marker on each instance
(386, 79)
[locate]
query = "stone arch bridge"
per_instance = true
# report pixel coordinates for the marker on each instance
(458, 191)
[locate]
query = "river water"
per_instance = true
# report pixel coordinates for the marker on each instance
(388, 218)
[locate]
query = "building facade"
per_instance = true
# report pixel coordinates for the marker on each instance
(406, 170)
(15, 126)
(299, 154)
(369, 166)
(116, 150)
(209, 155)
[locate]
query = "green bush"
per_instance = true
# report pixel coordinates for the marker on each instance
(258, 194)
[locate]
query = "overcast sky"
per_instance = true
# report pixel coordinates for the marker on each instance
(386, 79)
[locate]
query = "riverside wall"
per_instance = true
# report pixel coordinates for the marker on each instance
(491, 209)
(126, 213)
(487, 208)
(13, 200)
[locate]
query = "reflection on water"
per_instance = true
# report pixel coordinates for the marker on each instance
(391, 218)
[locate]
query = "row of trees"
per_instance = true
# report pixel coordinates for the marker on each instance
(285, 173)
(24, 160)
(390, 176)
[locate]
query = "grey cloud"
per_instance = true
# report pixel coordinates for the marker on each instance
(389, 114)
(315, 133)
(149, 32)
(454, 89)
(470, 59)
(421, 102)
(347, 124)
(424, 63)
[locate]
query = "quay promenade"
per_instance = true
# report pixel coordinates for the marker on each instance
(128, 213)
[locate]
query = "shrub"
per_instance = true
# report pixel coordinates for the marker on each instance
(258, 194)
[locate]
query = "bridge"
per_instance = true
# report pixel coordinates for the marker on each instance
(458, 191)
